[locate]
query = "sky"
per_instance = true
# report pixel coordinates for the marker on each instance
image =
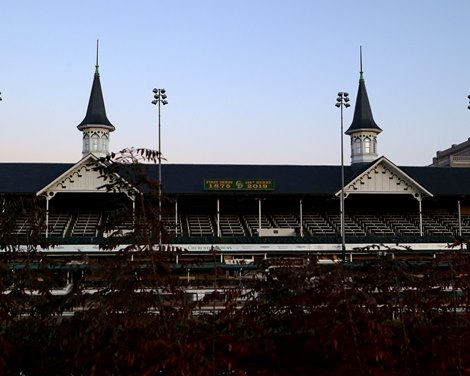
(248, 81)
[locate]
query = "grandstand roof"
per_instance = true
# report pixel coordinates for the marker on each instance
(287, 179)
(29, 177)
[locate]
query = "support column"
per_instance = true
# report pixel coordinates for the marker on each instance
(47, 216)
(460, 217)
(133, 212)
(420, 216)
(218, 218)
(259, 217)
(301, 219)
(176, 217)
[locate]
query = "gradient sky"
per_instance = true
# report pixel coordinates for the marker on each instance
(248, 81)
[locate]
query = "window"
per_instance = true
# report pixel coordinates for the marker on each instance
(94, 143)
(357, 146)
(367, 145)
(86, 143)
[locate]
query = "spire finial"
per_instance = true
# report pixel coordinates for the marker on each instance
(360, 54)
(97, 66)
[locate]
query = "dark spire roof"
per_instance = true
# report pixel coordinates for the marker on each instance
(363, 118)
(96, 112)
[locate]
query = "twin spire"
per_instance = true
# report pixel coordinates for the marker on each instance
(363, 118)
(363, 129)
(96, 125)
(96, 112)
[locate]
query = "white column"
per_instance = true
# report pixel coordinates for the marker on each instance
(176, 217)
(218, 218)
(259, 217)
(133, 212)
(301, 219)
(460, 217)
(420, 217)
(47, 216)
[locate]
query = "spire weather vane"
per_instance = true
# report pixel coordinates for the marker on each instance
(97, 52)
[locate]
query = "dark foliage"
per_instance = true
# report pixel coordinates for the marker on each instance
(129, 315)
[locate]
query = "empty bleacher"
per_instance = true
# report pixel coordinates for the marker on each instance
(373, 224)
(58, 223)
(252, 222)
(285, 220)
(400, 224)
(199, 225)
(431, 224)
(172, 224)
(230, 225)
(466, 224)
(351, 227)
(317, 225)
(22, 225)
(241, 224)
(86, 224)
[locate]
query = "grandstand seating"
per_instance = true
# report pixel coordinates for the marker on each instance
(431, 224)
(243, 225)
(200, 225)
(86, 224)
(22, 225)
(172, 224)
(351, 227)
(252, 222)
(400, 224)
(58, 223)
(317, 225)
(466, 224)
(373, 224)
(285, 220)
(230, 225)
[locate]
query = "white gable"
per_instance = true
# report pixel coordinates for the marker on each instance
(383, 177)
(79, 178)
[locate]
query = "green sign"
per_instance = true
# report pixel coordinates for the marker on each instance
(238, 185)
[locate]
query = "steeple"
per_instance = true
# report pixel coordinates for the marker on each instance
(363, 129)
(96, 126)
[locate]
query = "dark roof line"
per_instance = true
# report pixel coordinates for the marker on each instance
(289, 180)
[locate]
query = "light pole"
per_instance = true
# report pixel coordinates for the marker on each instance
(467, 97)
(159, 99)
(342, 101)
(0, 94)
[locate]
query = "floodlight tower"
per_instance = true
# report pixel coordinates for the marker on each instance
(342, 102)
(159, 99)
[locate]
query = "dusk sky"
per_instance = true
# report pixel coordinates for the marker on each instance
(248, 81)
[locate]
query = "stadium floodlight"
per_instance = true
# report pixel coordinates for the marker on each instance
(467, 97)
(0, 94)
(159, 99)
(342, 102)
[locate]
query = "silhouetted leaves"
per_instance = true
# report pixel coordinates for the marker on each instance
(129, 311)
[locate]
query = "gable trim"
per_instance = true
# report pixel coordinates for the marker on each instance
(384, 177)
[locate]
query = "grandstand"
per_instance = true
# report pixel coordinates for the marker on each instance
(251, 211)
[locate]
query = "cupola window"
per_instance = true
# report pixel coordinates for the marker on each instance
(357, 146)
(94, 143)
(367, 145)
